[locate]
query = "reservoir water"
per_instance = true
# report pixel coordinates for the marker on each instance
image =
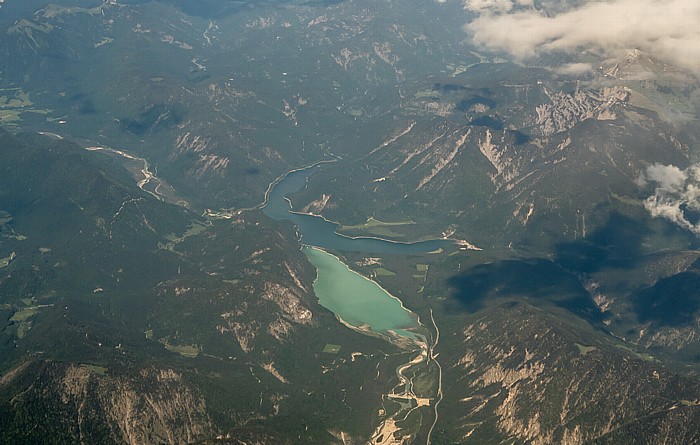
(364, 305)
(316, 231)
(355, 299)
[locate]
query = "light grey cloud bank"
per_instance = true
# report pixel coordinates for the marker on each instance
(675, 190)
(665, 29)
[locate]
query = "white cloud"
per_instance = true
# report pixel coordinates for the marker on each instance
(669, 177)
(574, 69)
(665, 29)
(675, 190)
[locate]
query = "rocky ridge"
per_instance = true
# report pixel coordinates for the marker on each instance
(522, 376)
(566, 110)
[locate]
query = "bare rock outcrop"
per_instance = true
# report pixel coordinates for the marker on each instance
(566, 110)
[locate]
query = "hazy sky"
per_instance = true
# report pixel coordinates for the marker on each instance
(666, 29)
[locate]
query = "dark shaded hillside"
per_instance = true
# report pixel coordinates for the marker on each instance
(129, 320)
(56, 403)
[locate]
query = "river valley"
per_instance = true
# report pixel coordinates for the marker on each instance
(363, 305)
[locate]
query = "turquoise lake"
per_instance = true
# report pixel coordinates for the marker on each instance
(354, 298)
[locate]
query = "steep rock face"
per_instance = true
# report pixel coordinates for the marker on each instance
(264, 284)
(152, 406)
(291, 312)
(566, 110)
(522, 376)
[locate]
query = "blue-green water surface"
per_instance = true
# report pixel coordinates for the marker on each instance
(357, 300)
(316, 231)
(354, 298)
